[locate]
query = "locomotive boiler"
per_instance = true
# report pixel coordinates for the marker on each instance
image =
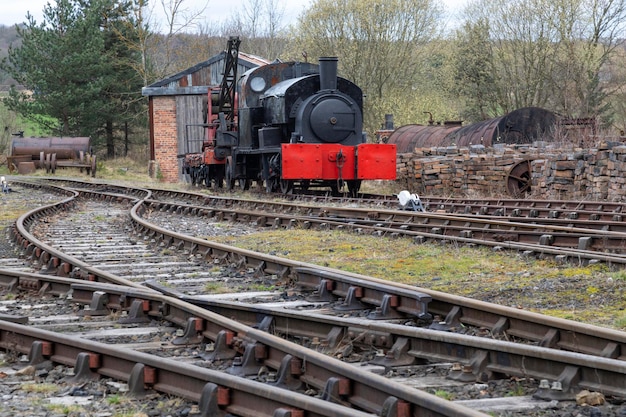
(297, 125)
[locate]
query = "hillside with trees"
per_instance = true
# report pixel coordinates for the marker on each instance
(8, 37)
(84, 66)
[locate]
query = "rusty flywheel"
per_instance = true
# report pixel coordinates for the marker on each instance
(518, 180)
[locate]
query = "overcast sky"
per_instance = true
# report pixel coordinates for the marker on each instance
(14, 11)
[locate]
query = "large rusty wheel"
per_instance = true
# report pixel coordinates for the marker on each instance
(518, 180)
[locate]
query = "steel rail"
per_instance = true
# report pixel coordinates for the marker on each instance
(367, 393)
(52, 258)
(521, 211)
(405, 345)
(545, 238)
(458, 313)
(496, 207)
(534, 209)
(453, 310)
(218, 394)
(345, 383)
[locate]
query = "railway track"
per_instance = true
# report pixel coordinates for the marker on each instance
(583, 240)
(384, 304)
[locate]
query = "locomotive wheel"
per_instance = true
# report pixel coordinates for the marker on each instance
(219, 180)
(245, 184)
(228, 176)
(518, 181)
(286, 186)
(353, 188)
(271, 185)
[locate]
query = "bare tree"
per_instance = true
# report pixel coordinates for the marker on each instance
(181, 21)
(553, 53)
(381, 44)
(261, 26)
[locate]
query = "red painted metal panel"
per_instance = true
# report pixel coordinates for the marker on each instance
(318, 161)
(210, 159)
(376, 161)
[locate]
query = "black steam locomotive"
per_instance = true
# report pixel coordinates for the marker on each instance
(295, 124)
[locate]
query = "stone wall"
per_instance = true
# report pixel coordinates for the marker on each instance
(556, 172)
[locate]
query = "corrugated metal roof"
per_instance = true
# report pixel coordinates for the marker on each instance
(203, 74)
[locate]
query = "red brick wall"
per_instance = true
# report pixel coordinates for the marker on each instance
(165, 141)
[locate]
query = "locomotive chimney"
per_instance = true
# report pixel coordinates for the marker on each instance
(328, 73)
(389, 122)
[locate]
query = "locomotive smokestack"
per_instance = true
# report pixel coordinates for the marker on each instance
(328, 73)
(389, 122)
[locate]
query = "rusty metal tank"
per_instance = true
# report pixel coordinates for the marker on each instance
(520, 126)
(408, 137)
(46, 152)
(64, 147)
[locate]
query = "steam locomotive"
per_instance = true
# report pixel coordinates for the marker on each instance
(293, 125)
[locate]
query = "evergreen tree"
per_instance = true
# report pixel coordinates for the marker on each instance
(77, 70)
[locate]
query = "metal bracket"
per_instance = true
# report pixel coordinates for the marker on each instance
(98, 304)
(221, 351)
(82, 370)
(351, 302)
(285, 378)
(247, 364)
(135, 314)
(398, 355)
(191, 334)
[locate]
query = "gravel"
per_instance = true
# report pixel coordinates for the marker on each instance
(49, 391)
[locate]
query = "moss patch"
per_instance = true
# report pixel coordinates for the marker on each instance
(591, 294)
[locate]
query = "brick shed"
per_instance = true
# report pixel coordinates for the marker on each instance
(175, 106)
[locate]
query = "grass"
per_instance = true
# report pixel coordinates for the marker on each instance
(590, 294)
(40, 388)
(216, 288)
(444, 394)
(65, 410)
